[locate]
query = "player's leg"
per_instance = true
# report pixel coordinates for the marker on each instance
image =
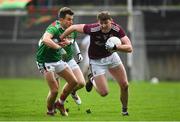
(89, 84)
(53, 91)
(99, 80)
(80, 80)
(101, 85)
(81, 83)
(119, 73)
(68, 75)
(57, 78)
(52, 84)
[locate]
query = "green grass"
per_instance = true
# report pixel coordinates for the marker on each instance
(25, 100)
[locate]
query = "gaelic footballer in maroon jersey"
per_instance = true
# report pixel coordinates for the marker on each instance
(103, 56)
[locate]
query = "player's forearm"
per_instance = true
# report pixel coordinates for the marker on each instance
(126, 45)
(72, 28)
(50, 43)
(124, 48)
(67, 32)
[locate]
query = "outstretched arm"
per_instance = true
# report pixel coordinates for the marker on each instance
(77, 27)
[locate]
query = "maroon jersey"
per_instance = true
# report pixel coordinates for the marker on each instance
(98, 39)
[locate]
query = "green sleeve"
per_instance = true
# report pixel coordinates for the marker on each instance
(52, 30)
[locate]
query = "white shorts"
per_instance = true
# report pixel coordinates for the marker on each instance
(52, 67)
(72, 64)
(99, 66)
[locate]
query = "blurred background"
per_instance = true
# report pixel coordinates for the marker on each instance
(152, 25)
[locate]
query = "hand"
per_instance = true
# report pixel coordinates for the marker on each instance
(64, 43)
(110, 46)
(79, 58)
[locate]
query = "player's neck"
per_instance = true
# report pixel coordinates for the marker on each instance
(63, 26)
(105, 30)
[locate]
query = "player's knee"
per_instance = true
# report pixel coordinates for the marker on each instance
(104, 93)
(81, 84)
(54, 91)
(73, 82)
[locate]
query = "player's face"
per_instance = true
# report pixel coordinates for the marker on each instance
(67, 21)
(105, 25)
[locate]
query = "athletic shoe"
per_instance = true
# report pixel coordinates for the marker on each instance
(89, 84)
(61, 108)
(50, 113)
(76, 98)
(125, 113)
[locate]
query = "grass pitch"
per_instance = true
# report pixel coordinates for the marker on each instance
(25, 100)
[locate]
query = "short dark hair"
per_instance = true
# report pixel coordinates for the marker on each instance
(64, 11)
(104, 15)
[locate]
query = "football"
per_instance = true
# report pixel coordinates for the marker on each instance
(114, 40)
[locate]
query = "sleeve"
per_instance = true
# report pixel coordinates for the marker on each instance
(52, 30)
(87, 28)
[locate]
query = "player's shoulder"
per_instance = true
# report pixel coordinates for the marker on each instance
(116, 27)
(94, 27)
(54, 28)
(55, 24)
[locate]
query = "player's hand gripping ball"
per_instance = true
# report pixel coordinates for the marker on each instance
(111, 43)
